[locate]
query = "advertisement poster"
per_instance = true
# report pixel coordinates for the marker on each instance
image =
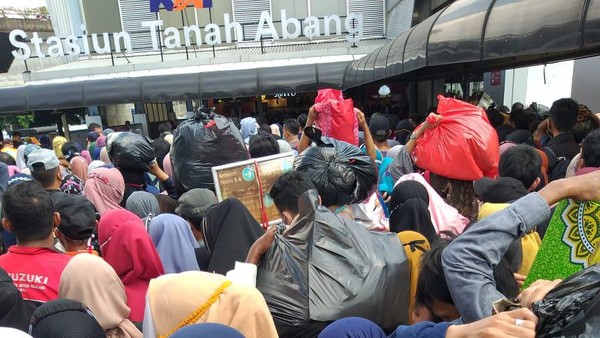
(243, 180)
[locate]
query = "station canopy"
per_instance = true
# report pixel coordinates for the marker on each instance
(485, 35)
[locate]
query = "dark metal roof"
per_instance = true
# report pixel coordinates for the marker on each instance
(479, 35)
(160, 88)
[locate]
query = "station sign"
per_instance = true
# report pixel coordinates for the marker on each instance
(171, 38)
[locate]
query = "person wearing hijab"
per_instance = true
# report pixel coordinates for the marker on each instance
(169, 139)
(65, 318)
(95, 165)
(443, 216)
(100, 144)
(216, 300)
(104, 156)
(409, 210)
(249, 127)
(167, 166)
(352, 327)
(71, 184)
(128, 248)
(13, 311)
(212, 330)
(78, 164)
(86, 156)
(92, 281)
(143, 204)
(105, 187)
(229, 231)
(174, 242)
(275, 130)
(57, 144)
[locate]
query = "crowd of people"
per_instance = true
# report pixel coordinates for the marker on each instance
(91, 249)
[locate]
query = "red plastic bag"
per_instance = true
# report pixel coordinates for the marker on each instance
(463, 146)
(336, 118)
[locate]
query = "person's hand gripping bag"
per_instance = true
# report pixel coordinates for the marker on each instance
(572, 309)
(464, 146)
(336, 117)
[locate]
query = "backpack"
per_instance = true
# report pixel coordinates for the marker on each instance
(559, 169)
(386, 181)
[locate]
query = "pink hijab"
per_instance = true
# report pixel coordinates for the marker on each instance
(167, 165)
(105, 188)
(86, 155)
(443, 216)
(79, 167)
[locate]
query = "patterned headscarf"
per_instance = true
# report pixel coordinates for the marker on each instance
(72, 185)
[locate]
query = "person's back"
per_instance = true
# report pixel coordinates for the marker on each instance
(34, 265)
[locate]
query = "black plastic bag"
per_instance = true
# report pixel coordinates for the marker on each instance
(572, 308)
(341, 172)
(130, 151)
(325, 268)
(200, 143)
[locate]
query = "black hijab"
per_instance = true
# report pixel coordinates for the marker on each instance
(409, 210)
(13, 311)
(229, 231)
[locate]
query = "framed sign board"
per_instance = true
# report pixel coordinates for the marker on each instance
(244, 180)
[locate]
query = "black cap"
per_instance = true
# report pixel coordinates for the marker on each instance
(379, 126)
(77, 217)
(500, 190)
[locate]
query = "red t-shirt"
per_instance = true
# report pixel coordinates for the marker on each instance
(35, 271)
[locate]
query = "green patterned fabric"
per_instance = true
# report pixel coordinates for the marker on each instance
(569, 243)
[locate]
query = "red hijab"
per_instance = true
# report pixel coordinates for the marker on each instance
(127, 247)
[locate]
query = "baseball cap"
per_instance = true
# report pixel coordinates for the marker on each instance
(30, 148)
(77, 217)
(379, 126)
(44, 159)
(500, 190)
(195, 203)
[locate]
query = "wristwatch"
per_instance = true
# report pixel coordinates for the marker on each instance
(412, 137)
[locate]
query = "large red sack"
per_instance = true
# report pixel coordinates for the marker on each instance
(464, 146)
(336, 118)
